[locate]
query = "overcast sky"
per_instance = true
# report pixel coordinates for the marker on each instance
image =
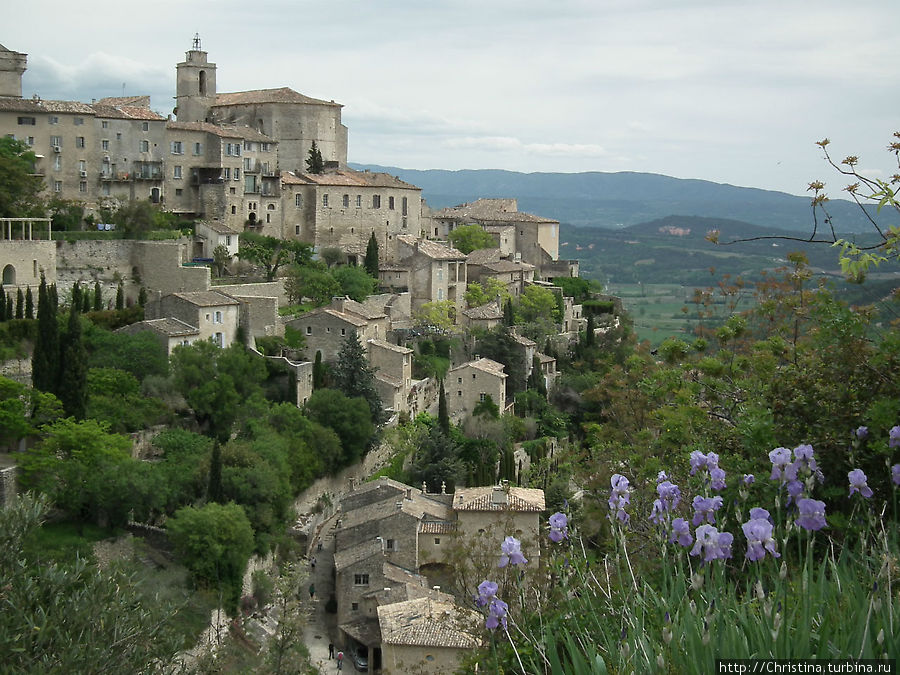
(732, 92)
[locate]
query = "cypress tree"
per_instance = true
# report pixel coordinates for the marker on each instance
(98, 297)
(10, 311)
(73, 378)
(536, 379)
(443, 414)
(29, 304)
(589, 338)
(45, 360)
(370, 262)
(3, 316)
(85, 301)
(76, 295)
(20, 304)
(142, 297)
(353, 376)
(318, 372)
(214, 487)
(120, 297)
(314, 161)
(508, 316)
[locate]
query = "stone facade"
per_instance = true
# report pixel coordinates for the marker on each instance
(22, 258)
(393, 373)
(437, 272)
(214, 314)
(169, 332)
(472, 382)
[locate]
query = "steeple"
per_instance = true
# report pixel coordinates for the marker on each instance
(12, 65)
(195, 86)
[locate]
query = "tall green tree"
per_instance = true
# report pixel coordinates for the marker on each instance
(98, 297)
(73, 378)
(355, 282)
(19, 186)
(3, 316)
(353, 376)
(370, 262)
(348, 417)
(20, 304)
(536, 378)
(214, 487)
(29, 304)
(120, 296)
(271, 253)
(318, 371)
(45, 359)
(443, 413)
(509, 318)
(314, 161)
(468, 238)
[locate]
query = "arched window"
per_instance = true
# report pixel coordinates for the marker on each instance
(202, 79)
(9, 276)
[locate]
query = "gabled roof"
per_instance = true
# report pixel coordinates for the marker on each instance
(346, 178)
(391, 346)
(351, 306)
(218, 226)
(126, 112)
(431, 249)
(142, 101)
(524, 341)
(206, 298)
(505, 266)
(433, 621)
(491, 210)
(279, 95)
(352, 319)
(437, 527)
(39, 105)
(488, 498)
(484, 365)
(356, 553)
(485, 312)
(418, 506)
(168, 326)
(482, 256)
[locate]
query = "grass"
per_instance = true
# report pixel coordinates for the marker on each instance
(64, 541)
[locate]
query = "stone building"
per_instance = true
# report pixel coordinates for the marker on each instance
(341, 208)
(393, 373)
(437, 272)
(485, 264)
(215, 315)
(169, 332)
(326, 328)
(472, 382)
(26, 252)
(211, 235)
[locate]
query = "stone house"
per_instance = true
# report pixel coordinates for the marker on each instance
(325, 328)
(431, 634)
(548, 369)
(484, 264)
(26, 252)
(212, 234)
(484, 317)
(472, 382)
(169, 332)
(393, 374)
(437, 272)
(214, 314)
(341, 208)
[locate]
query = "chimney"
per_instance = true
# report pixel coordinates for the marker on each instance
(409, 493)
(399, 505)
(498, 495)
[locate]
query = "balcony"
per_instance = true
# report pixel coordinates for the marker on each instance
(206, 176)
(148, 171)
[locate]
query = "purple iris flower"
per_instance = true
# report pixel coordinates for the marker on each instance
(512, 553)
(486, 591)
(698, 461)
(718, 478)
(757, 513)
(749, 479)
(619, 497)
(497, 611)
(862, 432)
(794, 490)
(803, 455)
(780, 458)
(661, 476)
(894, 437)
(712, 461)
(895, 474)
(712, 544)
(559, 527)
(858, 480)
(681, 532)
(705, 508)
(759, 538)
(669, 493)
(811, 514)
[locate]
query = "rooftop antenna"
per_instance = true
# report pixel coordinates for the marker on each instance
(196, 46)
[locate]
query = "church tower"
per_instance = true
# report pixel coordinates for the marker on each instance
(195, 87)
(12, 65)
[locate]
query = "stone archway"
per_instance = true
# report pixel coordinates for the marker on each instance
(9, 276)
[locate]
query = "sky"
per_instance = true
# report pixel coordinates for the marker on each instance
(731, 92)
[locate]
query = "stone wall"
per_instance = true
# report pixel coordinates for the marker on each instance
(25, 260)
(17, 369)
(8, 485)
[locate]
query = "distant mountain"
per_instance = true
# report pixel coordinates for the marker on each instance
(615, 200)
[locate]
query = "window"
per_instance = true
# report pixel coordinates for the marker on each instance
(198, 148)
(30, 140)
(376, 201)
(360, 579)
(57, 163)
(405, 206)
(145, 146)
(226, 173)
(459, 392)
(233, 149)
(104, 144)
(440, 294)
(78, 121)
(57, 186)
(237, 174)
(228, 240)
(354, 606)
(179, 191)
(358, 201)
(177, 148)
(27, 121)
(309, 330)
(220, 340)
(324, 200)
(248, 145)
(145, 126)
(298, 200)
(82, 186)
(481, 396)
(389, 545)
(53, 120)
(218, 317)
(391, 203)
(79, 141)
(296, 229)
(82, 165)
(176, 172)
(233, 208)
(248, 164)
(56, 140)
(346, 201)
(343, 332)
(104, 124)
(268, 218)
(437, 541)
(459, 380)
(118, 135)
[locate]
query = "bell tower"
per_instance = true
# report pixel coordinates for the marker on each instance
(12, 65)
(195, 86)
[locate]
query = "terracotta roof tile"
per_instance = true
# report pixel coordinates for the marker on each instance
(37, 105)
(243, 132)
(428, 622)
(206, 298)
(431, 249)
(280, 95)
(484, 499)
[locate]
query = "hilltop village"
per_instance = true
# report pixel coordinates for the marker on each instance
(274, 163)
